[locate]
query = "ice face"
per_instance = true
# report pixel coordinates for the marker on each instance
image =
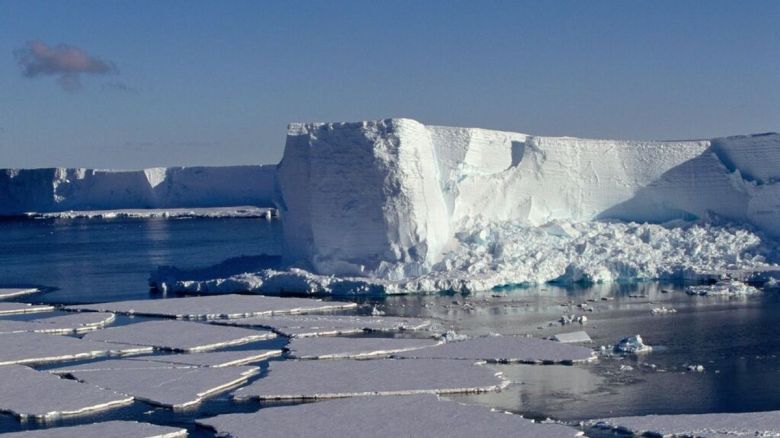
(17, 308)
(359, 348)
(301, 326)
(113, 429)
(418, 415)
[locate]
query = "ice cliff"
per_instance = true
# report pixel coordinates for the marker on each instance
(62, 189)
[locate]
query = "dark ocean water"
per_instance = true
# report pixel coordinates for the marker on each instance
(736, 340)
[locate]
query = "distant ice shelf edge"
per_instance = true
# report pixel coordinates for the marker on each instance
(395, 199)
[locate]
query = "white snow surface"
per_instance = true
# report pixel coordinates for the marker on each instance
(113, 429)
(749, 424)
(418, 415)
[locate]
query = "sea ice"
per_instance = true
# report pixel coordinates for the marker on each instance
(505, 349)
(161, 384)
(311, 379)
(6, 293)
(183, 336)
(113, 429)
(406, 416)
(37, 348)
(214, 359)
(632, 344)
(331, 347)
(217, 307)
(301, 326)
(756, 424)
(62, 324)
(30, 394)
(572, 337)
(17, 308)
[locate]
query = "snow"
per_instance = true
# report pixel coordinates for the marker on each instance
(17, 308)
(572, 337)
(62, 325)
(632, 344)
(208, 212)
(161, 384)
(419, 415)
(302, 326)
(311, 379)
(214, 359)
(216, 307)
(113, 429)
(62, 189)
(36, 348)
(181, 336)
(505, 349)
(357, 348)
(764, 424)
(10, 292)
(30, 394)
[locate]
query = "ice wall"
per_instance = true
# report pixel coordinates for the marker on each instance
(60, 189)
(390, 197)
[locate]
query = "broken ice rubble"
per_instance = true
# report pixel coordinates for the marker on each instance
(336, 347)
(415, 415)
(632, 344)
(113, 429)
(322, 325)
(757, 424)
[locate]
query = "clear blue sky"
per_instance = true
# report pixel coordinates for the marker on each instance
(213, 83)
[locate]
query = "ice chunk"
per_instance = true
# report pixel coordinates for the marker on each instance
(572, 337)
(6, 293)
(416, 415)
(215, 359)
(701, 425)
(17, 308)
(632, 344)
(506, 349)
(161, 384)
(63, 324)
(179, 335)
(31, 394)
(215, 307)
(301, 326)
(310, 379)
(722, 288)
(36, 348)
(335, 347)
(113, 429)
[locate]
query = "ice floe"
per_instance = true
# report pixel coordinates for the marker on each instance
(113, 429)
(179, 335)
(755, 424)
(415, 415)
(158, 383)
(331, 347)
(214, 359)
(18, 308)
(62, 324)
(505, 349)
(572, 337)
(311, 379)
(216, 307)
(6, 293)
(301, 326)
(30, 394)
(37, 348)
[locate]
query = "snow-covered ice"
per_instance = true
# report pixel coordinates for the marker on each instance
(331, 347)
(183, 336)
(30, 394)
(416, 415)
(113, 429)
(311, 379)
(214, 359)
(18, 308)
(301, 326)
(572, 337)
(505, 349)
(216, 307)
(754, 424)
(9, 292)
(632, 344)
(37, 348)
(62, 324)
(161, 384)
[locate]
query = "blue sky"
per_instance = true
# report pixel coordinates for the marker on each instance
(214, 83)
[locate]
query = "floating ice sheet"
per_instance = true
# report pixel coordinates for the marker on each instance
(216, 307)
(312, 379)
(6, 293)
(335, 347)
(179, 335)
(701, 425)
(416, 415)
(37, 348)
(113, 429)
(27, 393)
(161, 384)
(17, 308)
(63, 324)
(301, 326)
(505, 349)
(572, 337)
(116, 365)
(215, 359)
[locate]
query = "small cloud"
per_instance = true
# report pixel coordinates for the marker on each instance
(120, 86)
(65, 62)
